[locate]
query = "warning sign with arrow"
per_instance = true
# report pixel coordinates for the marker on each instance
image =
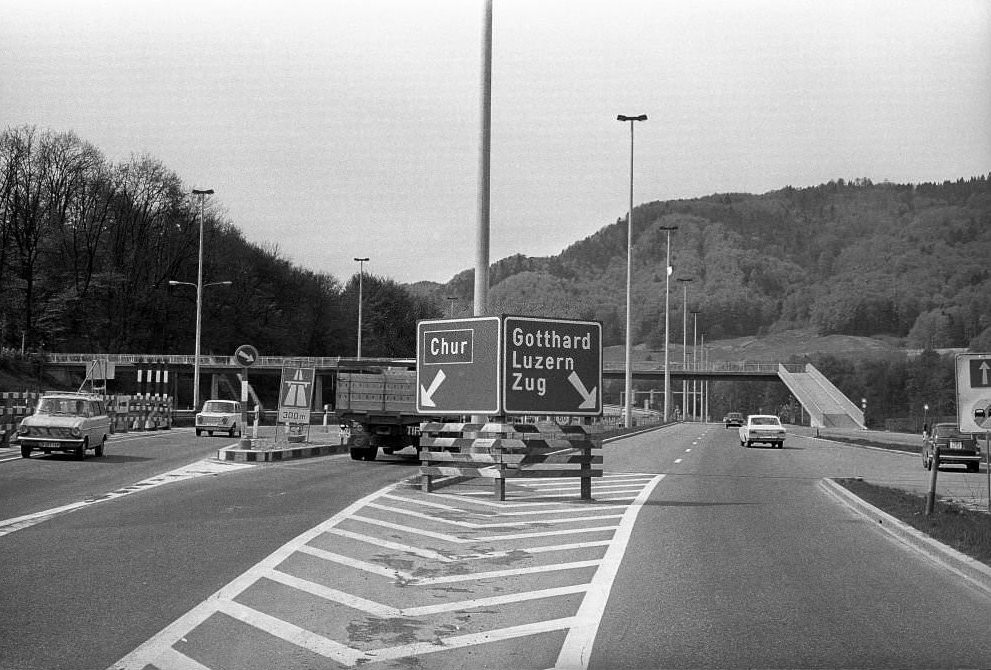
(973, 376)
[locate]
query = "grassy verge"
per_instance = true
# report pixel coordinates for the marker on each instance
(967, 531)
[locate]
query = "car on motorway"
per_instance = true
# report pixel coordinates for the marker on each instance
(66, 422)
(764, 428)
(733, 419)
(953, 446)
(219, 416)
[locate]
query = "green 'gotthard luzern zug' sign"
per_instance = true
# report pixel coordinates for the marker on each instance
(509, 364)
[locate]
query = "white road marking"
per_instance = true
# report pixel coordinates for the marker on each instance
(581, 628)
(192, 471)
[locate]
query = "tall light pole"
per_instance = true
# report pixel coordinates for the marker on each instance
(203, 193)
(695, 359)
(361, 275)
(667, 280)
(628, 410)
(684, 346)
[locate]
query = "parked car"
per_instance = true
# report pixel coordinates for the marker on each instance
(953, 445)
(764, 428)
(67, 422)
(222, 416)
(733, 419)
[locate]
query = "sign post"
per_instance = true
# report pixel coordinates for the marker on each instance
(246, 356)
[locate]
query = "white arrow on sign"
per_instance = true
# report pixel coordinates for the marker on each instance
(426, 395)
(984, 373)
(589, 396)
(246, 355)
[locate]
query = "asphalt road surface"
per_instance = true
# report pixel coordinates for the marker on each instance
(697, 553)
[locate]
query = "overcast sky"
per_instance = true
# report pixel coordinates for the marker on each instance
(343, 128)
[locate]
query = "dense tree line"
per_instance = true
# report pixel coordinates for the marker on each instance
(88, 248)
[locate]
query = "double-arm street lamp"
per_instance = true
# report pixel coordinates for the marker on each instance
(667, 321)
(199, 309)
(361, 275)
(199, 301)
(629, 282)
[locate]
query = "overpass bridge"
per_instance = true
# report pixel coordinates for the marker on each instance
(160, 374)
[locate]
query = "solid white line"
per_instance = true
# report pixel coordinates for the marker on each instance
(577, 648)
(488, 526)
(333, 595)
(514, 572)
(520, 536)
(318, 644)
(174, 660)
(494, 600)
(405, 548)
(355, 563)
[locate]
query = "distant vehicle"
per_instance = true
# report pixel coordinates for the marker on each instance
(221, 416)
(733, 419)
(953, 445)
(764, 428)
(67, 422)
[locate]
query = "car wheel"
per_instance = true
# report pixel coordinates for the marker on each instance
(926, 463)
(25, 452)
(973, 467)
(99, 450)
(198, 432)
(81, 451)
(210, 433)
(748, 444)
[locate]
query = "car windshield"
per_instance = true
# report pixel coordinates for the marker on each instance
(764, 421)
(218, 406)
(69, 406)
(946, 431)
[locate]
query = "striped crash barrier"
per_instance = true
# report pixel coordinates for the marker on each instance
(501, 451)
(13, 408)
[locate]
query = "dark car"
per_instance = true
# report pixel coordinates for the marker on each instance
(953, 445)
(733, 419)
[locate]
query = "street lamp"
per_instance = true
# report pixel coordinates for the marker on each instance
(203, 193)
(196, 361)
(925, 418)
(629, 278)
(361, 275)
(667, 279)
(684, 346)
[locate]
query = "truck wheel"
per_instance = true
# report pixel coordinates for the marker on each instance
(99, 450)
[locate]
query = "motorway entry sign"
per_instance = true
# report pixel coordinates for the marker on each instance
(552, 366)
(296, 395)
(457, 366)
(973, 376)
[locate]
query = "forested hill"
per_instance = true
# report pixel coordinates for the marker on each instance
(854, 258)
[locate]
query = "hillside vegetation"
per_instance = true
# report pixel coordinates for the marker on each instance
(907, 262)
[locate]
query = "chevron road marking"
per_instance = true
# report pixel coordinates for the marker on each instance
(396, 562)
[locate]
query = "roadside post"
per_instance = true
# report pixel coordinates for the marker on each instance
(931, 495)
(246, 356)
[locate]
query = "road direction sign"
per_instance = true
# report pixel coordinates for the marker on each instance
(552, 366)
(296, 395)
(457, 366)
(973, 375)
(246, 355)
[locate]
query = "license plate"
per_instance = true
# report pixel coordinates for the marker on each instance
(955, 444)
(51, 445)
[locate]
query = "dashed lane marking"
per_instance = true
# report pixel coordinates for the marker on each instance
(200, 469)
(449, 571)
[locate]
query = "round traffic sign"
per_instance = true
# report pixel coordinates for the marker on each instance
(246, 355)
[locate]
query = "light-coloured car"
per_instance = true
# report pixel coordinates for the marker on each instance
(222, 416)
(764, 428)
(67, 422)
